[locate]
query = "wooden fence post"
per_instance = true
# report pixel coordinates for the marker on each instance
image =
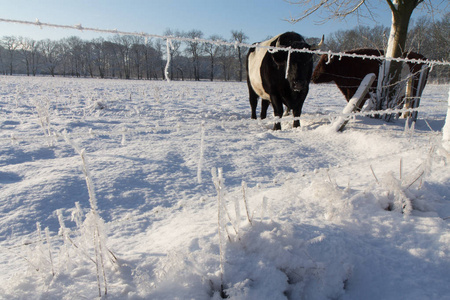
(409, 97)
(415, 98)
(354, 102)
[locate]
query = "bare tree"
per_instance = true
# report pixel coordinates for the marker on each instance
(359, 37)
(212, 50)
(72, 54)
(123, 44)
(137, 54)
(150, 56)
(10, 43)
(88, 59)
(226, 61)
(29, 51)
(401, 15)
(99, 56)
(239, 37)
(2, 63)
(111, 59)
(51, 51)
(438, 45)
(195, 50)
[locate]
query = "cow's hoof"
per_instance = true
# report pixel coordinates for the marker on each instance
(296, 123)
(277, 126)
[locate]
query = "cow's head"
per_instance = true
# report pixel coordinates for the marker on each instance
(299, 69)
(322, 72)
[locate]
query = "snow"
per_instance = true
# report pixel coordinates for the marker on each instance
(446, 129)
(304, 213)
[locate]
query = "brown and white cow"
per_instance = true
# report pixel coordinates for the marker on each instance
(348, 72)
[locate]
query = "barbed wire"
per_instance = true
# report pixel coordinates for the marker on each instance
(235, 44)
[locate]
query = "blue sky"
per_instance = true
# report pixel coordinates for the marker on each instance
(258, 19)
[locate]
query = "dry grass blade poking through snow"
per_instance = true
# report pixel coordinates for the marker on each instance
(43, 110)
(399, 197)
(94, 225)
(219, 184)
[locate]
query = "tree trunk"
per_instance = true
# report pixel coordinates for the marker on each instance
(401, 15)
(240, 64)
(211, 76)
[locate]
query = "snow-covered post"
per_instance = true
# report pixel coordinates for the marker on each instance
(354, 102)
(422, 81)
(446, 129)
(409, 97)
(415, 98)
(288, 62)
(166, 69)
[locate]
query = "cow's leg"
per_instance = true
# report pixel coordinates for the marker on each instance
(264, 106)
(296, 113)
(253, 100)
(297, 107)
(277, 105)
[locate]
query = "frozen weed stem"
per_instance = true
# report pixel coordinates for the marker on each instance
(244, 197)
(94, 224)
(43, 110)
(200, 159)
(219, 185)
(43, 259)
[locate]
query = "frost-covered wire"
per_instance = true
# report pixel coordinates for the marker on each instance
(221, 43)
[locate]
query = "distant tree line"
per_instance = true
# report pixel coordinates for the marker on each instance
(133, 57)
(124, 57)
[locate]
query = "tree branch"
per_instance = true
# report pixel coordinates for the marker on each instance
(392, 6)
(346, 13)
(307, 12)
(336, 8)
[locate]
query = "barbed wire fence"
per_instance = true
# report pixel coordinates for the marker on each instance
(55, 136)
(168, 39)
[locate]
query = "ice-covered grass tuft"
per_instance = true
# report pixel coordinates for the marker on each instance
(400, 192)
(267, 259)
(43, 107)
(93, 227)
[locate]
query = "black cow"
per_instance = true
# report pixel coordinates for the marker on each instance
(348, 72)
(267, 77)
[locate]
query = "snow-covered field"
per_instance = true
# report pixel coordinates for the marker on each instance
(305, 213)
